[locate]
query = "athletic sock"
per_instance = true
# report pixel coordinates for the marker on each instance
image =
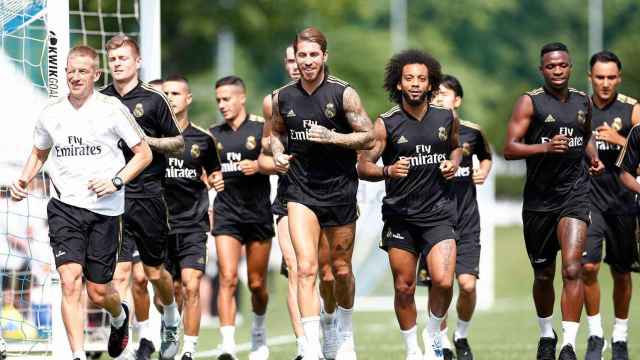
(258, 321)
(301, 342)
(171, 315)
(595, 325)
(433, 323)
(546, 327)
(118, 321)
(311, 326)
(569, 332)
(345, 319)
(444, 334)
(620, 328)
(228, 333)
(462, 330)
(80, 355)
(190, 343)
(411, 340)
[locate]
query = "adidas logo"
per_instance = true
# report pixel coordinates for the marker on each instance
(402, 140)
(549, 119)
(291, 113)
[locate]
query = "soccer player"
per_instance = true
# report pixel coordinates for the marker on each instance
(188, 202)
(81, 135)
(323, 123)
(145, 218)
(418, 143)
(550, 127)
(156, 84)
(473, 142)
(242, 215)
(613, 207)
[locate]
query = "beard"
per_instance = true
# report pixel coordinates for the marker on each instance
(414, 102)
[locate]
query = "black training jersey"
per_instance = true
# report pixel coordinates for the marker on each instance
(185, 192)
(473, 142)
(424, 197)
(245, 199)
(629, 159)
(607, 192)
(155, 116)
(554, 179)
(319, 174)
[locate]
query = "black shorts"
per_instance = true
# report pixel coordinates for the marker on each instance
(128, 251)
(413, 238)
(244, 232)
(619, 234)
(279, 206)
(284, 269)
(146, 224)
(186, 251)
(467, 259)
(83, 237)
(335, 215)
(541, 232)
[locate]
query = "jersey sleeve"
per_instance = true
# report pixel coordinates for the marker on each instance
(126, 126)
(41, 137)
(211, 162)
(483, 150)
(166, 119)
(629, 157)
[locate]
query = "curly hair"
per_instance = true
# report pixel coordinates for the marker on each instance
(393, 72)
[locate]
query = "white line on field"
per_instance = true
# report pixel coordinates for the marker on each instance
(274, 341)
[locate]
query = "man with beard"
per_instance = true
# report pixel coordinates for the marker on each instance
(418, 143)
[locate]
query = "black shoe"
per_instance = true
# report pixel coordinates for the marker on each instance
(447, 354)
(547, 348)
(187, 356)
(567, 353)
(145, 349)
(463, 350)
(226, 356)
(299, 357)
(619, 351)
(595, 348)
(119, 338)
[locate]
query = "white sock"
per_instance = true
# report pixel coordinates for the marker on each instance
(143, 330)
(171, 315)
(311, 326)
(433, 323)
(228, 334)
(118, 321)
(462, 330)
(301, 342)
(345, 317)
(569, 332)
(80, 355)
(190, 343)
(595, 325)
(546, 327)
(325, 317)
(620, 328)
(258, 321)
(411, 340)
(444, 334)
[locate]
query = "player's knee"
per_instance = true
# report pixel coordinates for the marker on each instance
(405, 289)
(257, 283)
(153, 273)
(544, 275)
(140, 280)
(467, 286)
(326, 274)
(307, 269)
(71, 284)
(590, 272)
(572, 271)
(97, 293)
(229, 279)
(341, 270)
(442, 282)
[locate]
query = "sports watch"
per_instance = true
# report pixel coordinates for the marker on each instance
(117, 182)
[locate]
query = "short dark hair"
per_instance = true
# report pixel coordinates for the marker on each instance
(452, 83)
(554, 46)
(313, 35)
(605, 56)
(177, 77)
(121, 40)
(230, 80)
(156, 82)
(393, 72)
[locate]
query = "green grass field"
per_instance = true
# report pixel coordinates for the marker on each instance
(508, 331)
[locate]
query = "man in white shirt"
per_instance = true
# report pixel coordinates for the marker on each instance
(82, 134)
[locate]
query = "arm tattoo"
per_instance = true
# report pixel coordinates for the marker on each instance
(169, 145)
(278, 129)
(362, 136)
(446, 254)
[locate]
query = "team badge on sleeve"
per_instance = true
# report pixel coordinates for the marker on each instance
(466, 149)
(330, 110)
(195, 151)
(219, 146)
(442, 133)
(138, 111)
(251, 143)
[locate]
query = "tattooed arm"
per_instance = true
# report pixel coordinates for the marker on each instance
(168, 145)
(278, 138)
(266, 164)
(361, 138)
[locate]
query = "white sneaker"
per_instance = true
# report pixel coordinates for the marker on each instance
(432, 346)
(312, 353)
(346, 347)
(329, 338)
(415, 355)
(261, 353)
(227, 352)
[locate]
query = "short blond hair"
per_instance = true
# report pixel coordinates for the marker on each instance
(84, 50)
(121, 40)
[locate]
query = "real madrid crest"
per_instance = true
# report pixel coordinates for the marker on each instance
(617, 124)
(581, 117)
(219, 146)
(195, 151)
(423, 275)
(138, 110)
(251, 143)
(442, 133)
(330, 110)
(466, 149)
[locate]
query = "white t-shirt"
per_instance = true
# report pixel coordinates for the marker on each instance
(84, 146)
